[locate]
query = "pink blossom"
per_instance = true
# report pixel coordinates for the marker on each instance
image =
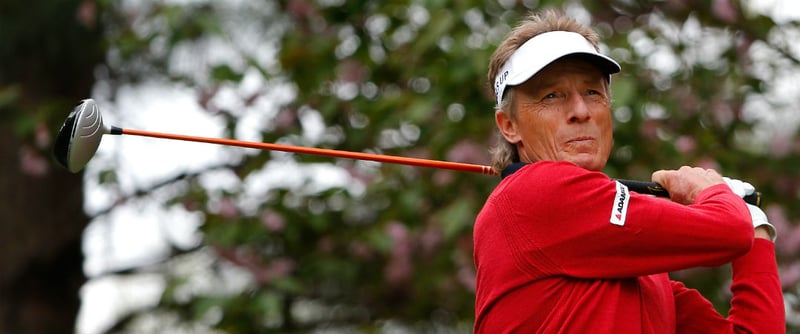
(419, 152)
(790, 275)
(300, 9)
(351, 71)
(238, 256)
(397, 231)
(190, 204)
(725, 10)
(398, 270)
(205, 96)
(708, 163)
(649, 129)
(360, 250)
(785, 185)
(685, 144)
(789, 241)
(31, 162)
(358, 175)
(468, 151)
(780, 146)
(272, 221)
(326, 244)
(430, 239)
(466, 276)
(42, 136)
(443, 177)
(87, 13)
(277, 268)
(285, 119)
(227, 208)
(722, 112)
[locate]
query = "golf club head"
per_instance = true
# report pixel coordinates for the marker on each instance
(79, 136)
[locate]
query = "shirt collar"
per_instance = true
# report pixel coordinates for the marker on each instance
(512, 168)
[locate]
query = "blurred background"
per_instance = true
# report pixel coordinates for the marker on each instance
(163, 236)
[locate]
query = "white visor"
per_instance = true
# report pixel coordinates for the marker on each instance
(543, 49)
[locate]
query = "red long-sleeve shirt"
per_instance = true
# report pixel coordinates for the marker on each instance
(560, 249)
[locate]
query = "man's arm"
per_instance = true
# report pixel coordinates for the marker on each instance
(763, 232)
(579, 223)
(757, 304)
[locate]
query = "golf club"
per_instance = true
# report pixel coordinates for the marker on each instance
(79, 137)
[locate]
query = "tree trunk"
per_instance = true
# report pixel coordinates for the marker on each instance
(41, 262)
(47, 59)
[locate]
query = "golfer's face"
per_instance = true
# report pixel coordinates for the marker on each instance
(564, 114)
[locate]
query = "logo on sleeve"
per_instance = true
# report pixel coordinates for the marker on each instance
(620, 208)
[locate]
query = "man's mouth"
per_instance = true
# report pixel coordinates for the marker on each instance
(580, 139)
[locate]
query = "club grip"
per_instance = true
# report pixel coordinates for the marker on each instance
(652, 188)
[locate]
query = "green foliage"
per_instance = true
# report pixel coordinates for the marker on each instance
(408, 78)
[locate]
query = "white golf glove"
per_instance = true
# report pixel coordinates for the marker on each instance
(758, 216)
(739, 187)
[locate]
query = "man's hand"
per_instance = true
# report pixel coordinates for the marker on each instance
(763, 228)
(761, 224)
(685, 183)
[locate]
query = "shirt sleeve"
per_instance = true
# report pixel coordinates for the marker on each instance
(570, 221)
(756, 306)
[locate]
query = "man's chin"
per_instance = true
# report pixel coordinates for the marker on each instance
(587, 162)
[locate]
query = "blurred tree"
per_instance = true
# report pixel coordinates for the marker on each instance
(393, 248)
(47, 59)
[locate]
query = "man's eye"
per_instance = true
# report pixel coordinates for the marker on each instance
(550, 96)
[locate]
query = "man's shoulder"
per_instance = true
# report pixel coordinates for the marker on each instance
(546, 168)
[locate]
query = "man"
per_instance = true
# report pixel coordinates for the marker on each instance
(562, 248)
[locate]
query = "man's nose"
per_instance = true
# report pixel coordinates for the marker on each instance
(579, 109)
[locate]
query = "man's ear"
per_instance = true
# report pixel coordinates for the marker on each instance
(507, 126)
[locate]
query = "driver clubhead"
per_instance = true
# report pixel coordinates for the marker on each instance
(79, 136)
